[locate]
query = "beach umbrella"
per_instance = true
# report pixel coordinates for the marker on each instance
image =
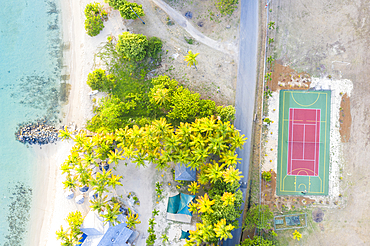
(69, 194)
(80, 199)
(93, 195)
(84, 189)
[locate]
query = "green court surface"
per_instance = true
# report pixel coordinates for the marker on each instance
(304, 143)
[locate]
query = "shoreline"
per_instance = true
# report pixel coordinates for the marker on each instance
(49, 206)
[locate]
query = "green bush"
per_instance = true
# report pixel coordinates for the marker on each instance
(95, 15)
(154, 46)
(206, 108)
(226, 113)
(258, 216)
(266, 176)
(132, 46)
(127, 13)
(227, 7)
(184, 105)
(257, 241)
(98, 80)
(124, 8)
(110, 115)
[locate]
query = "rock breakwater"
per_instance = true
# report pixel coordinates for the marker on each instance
(39, 132)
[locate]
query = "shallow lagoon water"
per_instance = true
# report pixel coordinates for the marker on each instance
(30, 62)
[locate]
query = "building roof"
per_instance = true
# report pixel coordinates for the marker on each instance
(185, 173)
(116, 235)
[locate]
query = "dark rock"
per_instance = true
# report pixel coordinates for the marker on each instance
(317, 215)
(189, 15)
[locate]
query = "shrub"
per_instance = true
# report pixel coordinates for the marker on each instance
(266, 176)
(154, 46)
(124, 8)
(132, 46)
(185, 105)
(127, 13)
(227, 7)
(98, 80)
(110, 113)
(95, 15)
(258, 216)
(206, 108)
(226, 113)
(257, 241)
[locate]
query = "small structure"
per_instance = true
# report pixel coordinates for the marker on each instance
(185, 234)
(93, 224)
(80, 199)
(185, 173)
(116, 235)
(178, 208)
(69, 194)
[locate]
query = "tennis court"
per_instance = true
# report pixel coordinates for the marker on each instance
(304, 143)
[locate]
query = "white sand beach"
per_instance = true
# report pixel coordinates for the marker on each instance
(50, 207)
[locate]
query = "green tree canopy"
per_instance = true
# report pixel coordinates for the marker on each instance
(98, 80)
(95, 15)
(124, 8)
(111, 112)
(154, 46)
(132, 46)
(226, 113)
(185, 105)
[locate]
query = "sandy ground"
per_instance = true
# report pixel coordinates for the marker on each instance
(50, 208)
(215, 78)
(329, 40)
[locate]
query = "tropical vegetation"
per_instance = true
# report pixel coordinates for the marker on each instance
(71, 235)
(226, 7)
(126, 8)
(95, 15)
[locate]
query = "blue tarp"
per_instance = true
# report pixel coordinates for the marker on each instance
(179, 204)
(116, 235)
(185, 234)
(185, 173)
(82, 239)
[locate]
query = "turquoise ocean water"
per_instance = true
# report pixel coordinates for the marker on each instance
(30, 62)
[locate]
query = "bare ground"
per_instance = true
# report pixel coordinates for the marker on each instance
(330, 39)
(216, 75)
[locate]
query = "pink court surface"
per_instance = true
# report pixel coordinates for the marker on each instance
(304, 141)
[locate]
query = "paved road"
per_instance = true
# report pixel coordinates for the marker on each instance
(246, 91)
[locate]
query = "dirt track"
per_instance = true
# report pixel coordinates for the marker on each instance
(330, 39)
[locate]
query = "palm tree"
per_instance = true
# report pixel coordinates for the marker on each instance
(112, 214)
(70, 182)
(114, 156)
(232, 175)
(113, 181)
(65, 134)
(271, 25)
(204, 204)
(99, 204)
(132, 219)
(228, 198)
(222, 230)
(161, 96)
(214, 171)
(229, 158)
(193, 187)
(191, 59)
